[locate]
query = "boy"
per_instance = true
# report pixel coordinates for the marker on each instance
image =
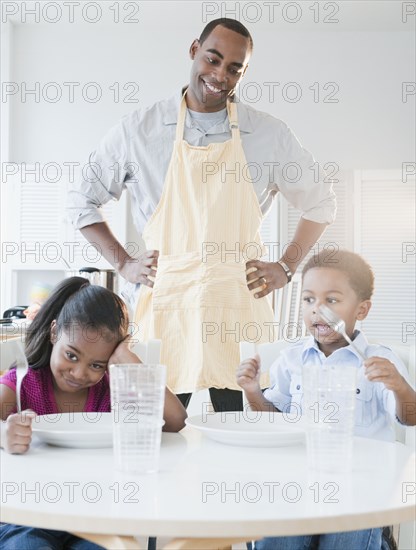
(344, 283)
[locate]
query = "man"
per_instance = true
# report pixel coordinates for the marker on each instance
(199, 206)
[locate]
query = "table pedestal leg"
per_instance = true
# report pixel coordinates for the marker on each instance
(202, 544)
(111, 542)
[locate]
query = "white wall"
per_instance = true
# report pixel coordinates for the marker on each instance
(369, 53)
(370, 126)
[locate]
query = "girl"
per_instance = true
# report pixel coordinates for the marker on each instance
(79, 330)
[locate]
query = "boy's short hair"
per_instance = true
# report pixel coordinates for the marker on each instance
(358, 271)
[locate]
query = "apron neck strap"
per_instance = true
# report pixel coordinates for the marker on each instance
(232, 117)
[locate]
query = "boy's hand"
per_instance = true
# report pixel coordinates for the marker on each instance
(122, 354)
(248, 375)
(17, 432)
(380, 369)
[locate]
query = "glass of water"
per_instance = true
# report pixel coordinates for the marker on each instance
(137, 403)
(329, 406)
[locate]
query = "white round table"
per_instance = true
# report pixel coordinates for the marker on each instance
(207, 489)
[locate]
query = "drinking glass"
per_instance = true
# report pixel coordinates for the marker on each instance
(137, 402)
(329, 406)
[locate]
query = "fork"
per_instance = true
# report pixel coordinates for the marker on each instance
(22, 366)
(338, 325)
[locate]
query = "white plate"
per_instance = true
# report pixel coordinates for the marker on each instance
(77, 430)
(251, 429)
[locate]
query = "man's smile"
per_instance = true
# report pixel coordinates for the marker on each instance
(213, 88)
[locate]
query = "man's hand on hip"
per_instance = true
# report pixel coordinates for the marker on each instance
(142, 269)
(265, 276)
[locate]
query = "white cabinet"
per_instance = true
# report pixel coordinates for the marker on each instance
(39, 244)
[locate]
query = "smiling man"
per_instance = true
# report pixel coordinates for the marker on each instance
(218, 66)
(203, 169)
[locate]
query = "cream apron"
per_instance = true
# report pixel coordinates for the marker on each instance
(206, 226)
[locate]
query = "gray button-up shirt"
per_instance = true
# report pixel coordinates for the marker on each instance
(135, 155)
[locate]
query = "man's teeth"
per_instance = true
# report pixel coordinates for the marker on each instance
(212, 88)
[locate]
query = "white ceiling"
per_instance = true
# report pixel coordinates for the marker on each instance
(340, 15)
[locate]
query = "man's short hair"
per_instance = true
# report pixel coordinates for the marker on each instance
(358, 271)
(228, 23)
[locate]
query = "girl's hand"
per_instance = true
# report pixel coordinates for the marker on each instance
(122, 354)
(17, 432)
(248, 375)
(380, 369)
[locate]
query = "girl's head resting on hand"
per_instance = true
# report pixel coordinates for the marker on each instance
(77, 312)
